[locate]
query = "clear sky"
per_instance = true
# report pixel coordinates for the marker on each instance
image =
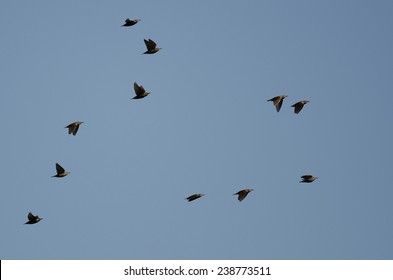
(205, 128)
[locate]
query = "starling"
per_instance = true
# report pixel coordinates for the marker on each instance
(243, 193)
(299, 106)
(140, 92)
(194, 196)
(151, 47)
(277, 101)
(131, 22)
(73, 127)
(308, 179)
(60, 171)
(32, 219)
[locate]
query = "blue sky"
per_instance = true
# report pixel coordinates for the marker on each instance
(205, 128)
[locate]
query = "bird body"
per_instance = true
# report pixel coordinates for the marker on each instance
(130, 22)
(32, 219)
(73, 127)
(277, 101)
(194, 196)
(243, 193)
(308, 179)
(60, 171)
(299, 106)
(151, 47)
(140, 92)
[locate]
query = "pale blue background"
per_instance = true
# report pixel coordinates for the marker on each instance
(205, 128)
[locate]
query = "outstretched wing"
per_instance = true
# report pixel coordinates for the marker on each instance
(192, 197)
(242, 195)
(59, 169)
(71, 128)
(139, 90)
(150, 44)
(31, 217)
(298, 107)
(279, 103)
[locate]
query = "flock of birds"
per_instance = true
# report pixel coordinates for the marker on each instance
(140, 92)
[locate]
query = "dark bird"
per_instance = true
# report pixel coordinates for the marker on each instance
(73, 127)
(32, 219)
(60, 171)
(277, 101)
(131, 22)
(194, 196)
(242, 194)
(151, 47)
(299, 106)
(308, 179)
(140, 92)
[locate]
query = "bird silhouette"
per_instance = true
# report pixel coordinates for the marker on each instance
(151, 47)
(277, 101)
(243, 193)
(73, 127)
(60, 171)
(299, 106)
(194, 196)
(32, 219)
(140, 92)
(130, 22)
(308, 179)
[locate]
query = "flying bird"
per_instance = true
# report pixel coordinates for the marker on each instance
(32, 219)
(308, 179)
(194, 196)
(243, 193)
(60, 171)
(151, 47)
(73, 127)
(131, 22)
(277, 101)
(299, 106)
(140, 92)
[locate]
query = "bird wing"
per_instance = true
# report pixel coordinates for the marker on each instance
(150, 45)
(59, 169)
(139, 90)
(75, 129)
(31, 217)
(242, 195)
(298, 107)
(272, 99)
(71, 127)
(276, 100)
(307, 176)
(192, 197)
(279, 104)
